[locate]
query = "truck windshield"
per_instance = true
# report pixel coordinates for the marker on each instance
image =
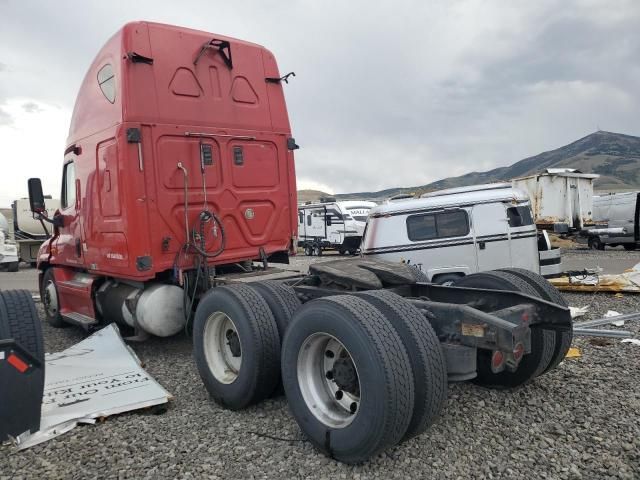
(519, 216)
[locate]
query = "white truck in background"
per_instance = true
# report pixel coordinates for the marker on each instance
(28, 231)
(8, 250)
(330, 224)
(616, 216)
(451, 233)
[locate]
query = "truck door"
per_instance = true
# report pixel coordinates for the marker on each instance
(69, 247)
(491, 237)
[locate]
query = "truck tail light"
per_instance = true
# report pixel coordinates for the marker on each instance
(497, 361)
(518, 351)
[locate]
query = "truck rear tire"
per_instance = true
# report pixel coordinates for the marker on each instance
(282, 300)
(13, 267)
(308, 251)
(337, 350)
(548, 292)
(629, 246)
(542, 341)
(236, 346)
(426, 357)
(49, 298)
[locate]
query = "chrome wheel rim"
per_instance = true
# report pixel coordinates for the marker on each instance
(222, 347)
(50, 299)
(328, 380)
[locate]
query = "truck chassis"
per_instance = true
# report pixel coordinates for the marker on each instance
(364, 351)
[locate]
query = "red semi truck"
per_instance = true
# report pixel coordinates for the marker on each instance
(179, 150)
(180, 161)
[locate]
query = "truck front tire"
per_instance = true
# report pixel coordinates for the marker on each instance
(337, 351)
(236, 346)
(50, 300)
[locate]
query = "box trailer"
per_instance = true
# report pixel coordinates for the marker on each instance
(561, 198)
(179, 162)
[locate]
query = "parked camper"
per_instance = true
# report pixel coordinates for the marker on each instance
(561, 198)
(28, 231)
(8, 250)
(616, 219)
(332, 225)
(451, 233)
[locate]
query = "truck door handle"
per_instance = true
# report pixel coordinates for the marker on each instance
(482, 245)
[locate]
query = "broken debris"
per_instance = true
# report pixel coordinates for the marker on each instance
(95, 378)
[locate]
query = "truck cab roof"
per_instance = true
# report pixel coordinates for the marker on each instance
(156, 73)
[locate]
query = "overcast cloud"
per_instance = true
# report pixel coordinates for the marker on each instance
(385, 95)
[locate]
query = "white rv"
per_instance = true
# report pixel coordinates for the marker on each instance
(451, 233)
(332, 225)
(616, 216)
(28, 231)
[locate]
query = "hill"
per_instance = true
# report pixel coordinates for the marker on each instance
(311, 195)
(616, 157)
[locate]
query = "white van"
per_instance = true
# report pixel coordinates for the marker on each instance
(616, 215)
(451, 233)
(332, 225)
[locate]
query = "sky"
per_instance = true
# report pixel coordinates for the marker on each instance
(386, 93)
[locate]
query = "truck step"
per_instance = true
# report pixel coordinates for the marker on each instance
(80, 320)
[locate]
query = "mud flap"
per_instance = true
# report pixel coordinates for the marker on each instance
(21, 389)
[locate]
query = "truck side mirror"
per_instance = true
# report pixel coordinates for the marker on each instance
(36, 197)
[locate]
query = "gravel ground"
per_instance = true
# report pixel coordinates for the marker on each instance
(581, 420)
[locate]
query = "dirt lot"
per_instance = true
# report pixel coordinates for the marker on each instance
(581, 420)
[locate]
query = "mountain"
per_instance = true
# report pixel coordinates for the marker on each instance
(616, 157)
(305, 196)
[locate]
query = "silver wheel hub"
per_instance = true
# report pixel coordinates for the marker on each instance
(50, 299)
(222, 347)
(328, 380)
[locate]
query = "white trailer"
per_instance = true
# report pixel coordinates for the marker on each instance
(561, 198)
(29, 232)
(8, 250)
(332, 225)
(616, 216)
(452, 233)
